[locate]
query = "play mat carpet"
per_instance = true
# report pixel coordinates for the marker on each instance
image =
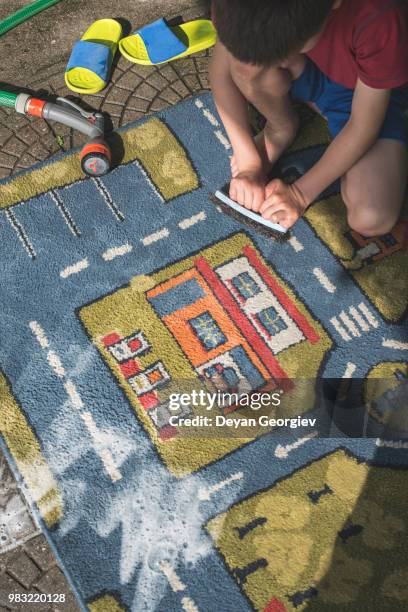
(118, 292)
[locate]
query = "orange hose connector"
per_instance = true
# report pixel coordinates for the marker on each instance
(35, 107)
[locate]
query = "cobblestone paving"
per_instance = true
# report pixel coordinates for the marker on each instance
(134, 92)
(16, 523)
(29, 565)
(32, 569)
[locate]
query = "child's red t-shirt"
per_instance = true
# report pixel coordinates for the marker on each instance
(366, 40)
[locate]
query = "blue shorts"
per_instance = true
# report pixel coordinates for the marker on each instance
(334, 102)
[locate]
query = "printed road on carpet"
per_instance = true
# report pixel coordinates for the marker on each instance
(117, 293)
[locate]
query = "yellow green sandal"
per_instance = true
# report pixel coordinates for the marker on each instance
(158, 42)
(90, 64)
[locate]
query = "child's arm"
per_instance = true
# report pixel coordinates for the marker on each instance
(356, 138)
(248, 187)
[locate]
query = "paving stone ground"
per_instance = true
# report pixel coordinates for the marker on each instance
(27, 564)
(16, 522)
(31, 569)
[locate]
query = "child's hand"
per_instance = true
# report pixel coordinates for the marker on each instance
(284, 204)
(248, 189)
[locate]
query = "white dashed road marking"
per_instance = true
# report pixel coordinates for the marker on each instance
(114, 252)
(39, 333)
(351, 368)
(391, 443)
(187, 223)
(160, 235)
(213, 120)
(103, 452)
(189, 605)
(173, 579)
(177, 586)
(223, 140)
(55, 364)
(296, 244)
(97, 437)
(219, 134)
(324, 280)
(75, 268)
(74, 396)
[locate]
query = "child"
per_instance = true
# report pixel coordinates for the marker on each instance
(346, 58)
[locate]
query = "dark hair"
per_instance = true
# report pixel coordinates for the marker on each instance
(266, 31)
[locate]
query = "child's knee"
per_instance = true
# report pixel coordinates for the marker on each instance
(367, 218)
(370, 229)
(369, 223)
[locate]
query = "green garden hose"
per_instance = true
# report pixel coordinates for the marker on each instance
(24, 14)
(8, 99)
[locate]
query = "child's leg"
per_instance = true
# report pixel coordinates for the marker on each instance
(268, 90)
(373, 190)
(233, 109)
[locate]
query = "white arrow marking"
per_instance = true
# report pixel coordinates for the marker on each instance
(282, 452)
(391, 443)
(395, 344)
(206, 494)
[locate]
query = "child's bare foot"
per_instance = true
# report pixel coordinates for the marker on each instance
(271, 143)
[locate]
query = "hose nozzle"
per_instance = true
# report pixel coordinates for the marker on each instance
(96, 159)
